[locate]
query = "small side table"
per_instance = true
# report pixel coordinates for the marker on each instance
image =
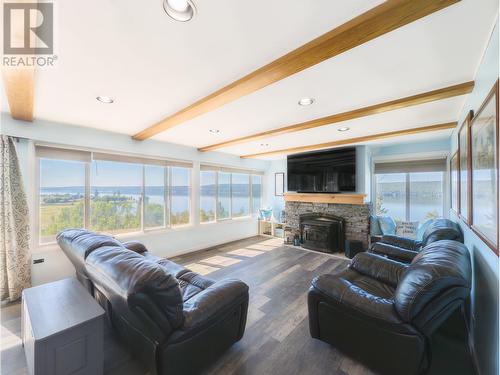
(62, 329)
(268, 228)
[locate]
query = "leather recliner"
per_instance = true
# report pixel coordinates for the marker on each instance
(382, 312)
(173, 319)
(405, 249)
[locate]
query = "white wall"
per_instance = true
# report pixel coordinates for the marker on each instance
(167, 243)
(277, 203)
(485, 264)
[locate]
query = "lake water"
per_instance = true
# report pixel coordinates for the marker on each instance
(179, 201)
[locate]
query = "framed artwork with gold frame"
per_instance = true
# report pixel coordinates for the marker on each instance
(484, 171)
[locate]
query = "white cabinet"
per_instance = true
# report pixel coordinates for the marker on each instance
(62, 329)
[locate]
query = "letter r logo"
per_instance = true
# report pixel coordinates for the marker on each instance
(28, 29)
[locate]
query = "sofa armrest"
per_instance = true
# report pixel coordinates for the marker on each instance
(345, 295)
(217, 298)
(405, 243)
(393, 252)
(385, 270)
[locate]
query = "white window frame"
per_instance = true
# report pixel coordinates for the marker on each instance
(88, 184)
(412, 157)
(227, 170)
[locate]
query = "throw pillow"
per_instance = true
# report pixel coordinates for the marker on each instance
(407, 229)
(375, 226)
(387, 225)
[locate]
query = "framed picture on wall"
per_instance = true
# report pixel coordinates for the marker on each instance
(279, 184)
(464, 169)
(454, 176)
(484, 177)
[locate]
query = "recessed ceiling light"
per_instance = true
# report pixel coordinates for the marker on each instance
(304, 102)
(214, 131)
(344, 129)
(179, 10)
(264, 145)
(105, 99)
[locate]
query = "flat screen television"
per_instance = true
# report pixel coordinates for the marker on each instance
(330, 171)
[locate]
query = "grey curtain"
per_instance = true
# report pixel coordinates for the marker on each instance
(15, 260)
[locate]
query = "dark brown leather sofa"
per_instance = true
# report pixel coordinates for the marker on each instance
(404, 249)
(173, 319)
(383, 312)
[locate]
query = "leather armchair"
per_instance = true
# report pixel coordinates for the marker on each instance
(173, 319)
(382, 312)
(405, 249)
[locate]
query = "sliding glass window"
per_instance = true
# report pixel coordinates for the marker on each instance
(410, 191)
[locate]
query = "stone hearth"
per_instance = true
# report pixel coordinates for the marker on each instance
(356, 216)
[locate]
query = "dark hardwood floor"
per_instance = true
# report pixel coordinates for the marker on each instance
(276, 339)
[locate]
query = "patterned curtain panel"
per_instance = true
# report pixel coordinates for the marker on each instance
(15, 260)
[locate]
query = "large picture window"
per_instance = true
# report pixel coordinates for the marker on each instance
(61, 197)
(109, 193)
(155, 198)
(180, 196)
(208, 196)
(115, 197)
(240, 195)
(224, 197)
(226, 193)
(410, 191)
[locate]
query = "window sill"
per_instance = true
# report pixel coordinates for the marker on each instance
(229, 220)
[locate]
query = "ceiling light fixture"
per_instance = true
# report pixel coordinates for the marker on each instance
(179, 10)
(344, 129)
(105, 99)
(304, 102)
(214, 131)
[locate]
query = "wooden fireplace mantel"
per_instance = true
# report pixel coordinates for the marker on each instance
(325, 198)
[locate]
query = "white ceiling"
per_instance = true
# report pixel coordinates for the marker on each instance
(153, 66)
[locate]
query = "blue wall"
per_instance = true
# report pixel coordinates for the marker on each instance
(484, 327)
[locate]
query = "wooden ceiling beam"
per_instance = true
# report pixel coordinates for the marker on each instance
(349, 141)
(19, 86)
(426, 97)
(384, 18)
(19, 81)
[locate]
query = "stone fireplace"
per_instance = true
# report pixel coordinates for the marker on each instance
(356, 218)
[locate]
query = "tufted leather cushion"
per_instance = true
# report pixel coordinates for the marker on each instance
(382, 269)
(82, 242)
(77, 244)
(442, 229)
(439, 267)
(134, 281)
(392, 252)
